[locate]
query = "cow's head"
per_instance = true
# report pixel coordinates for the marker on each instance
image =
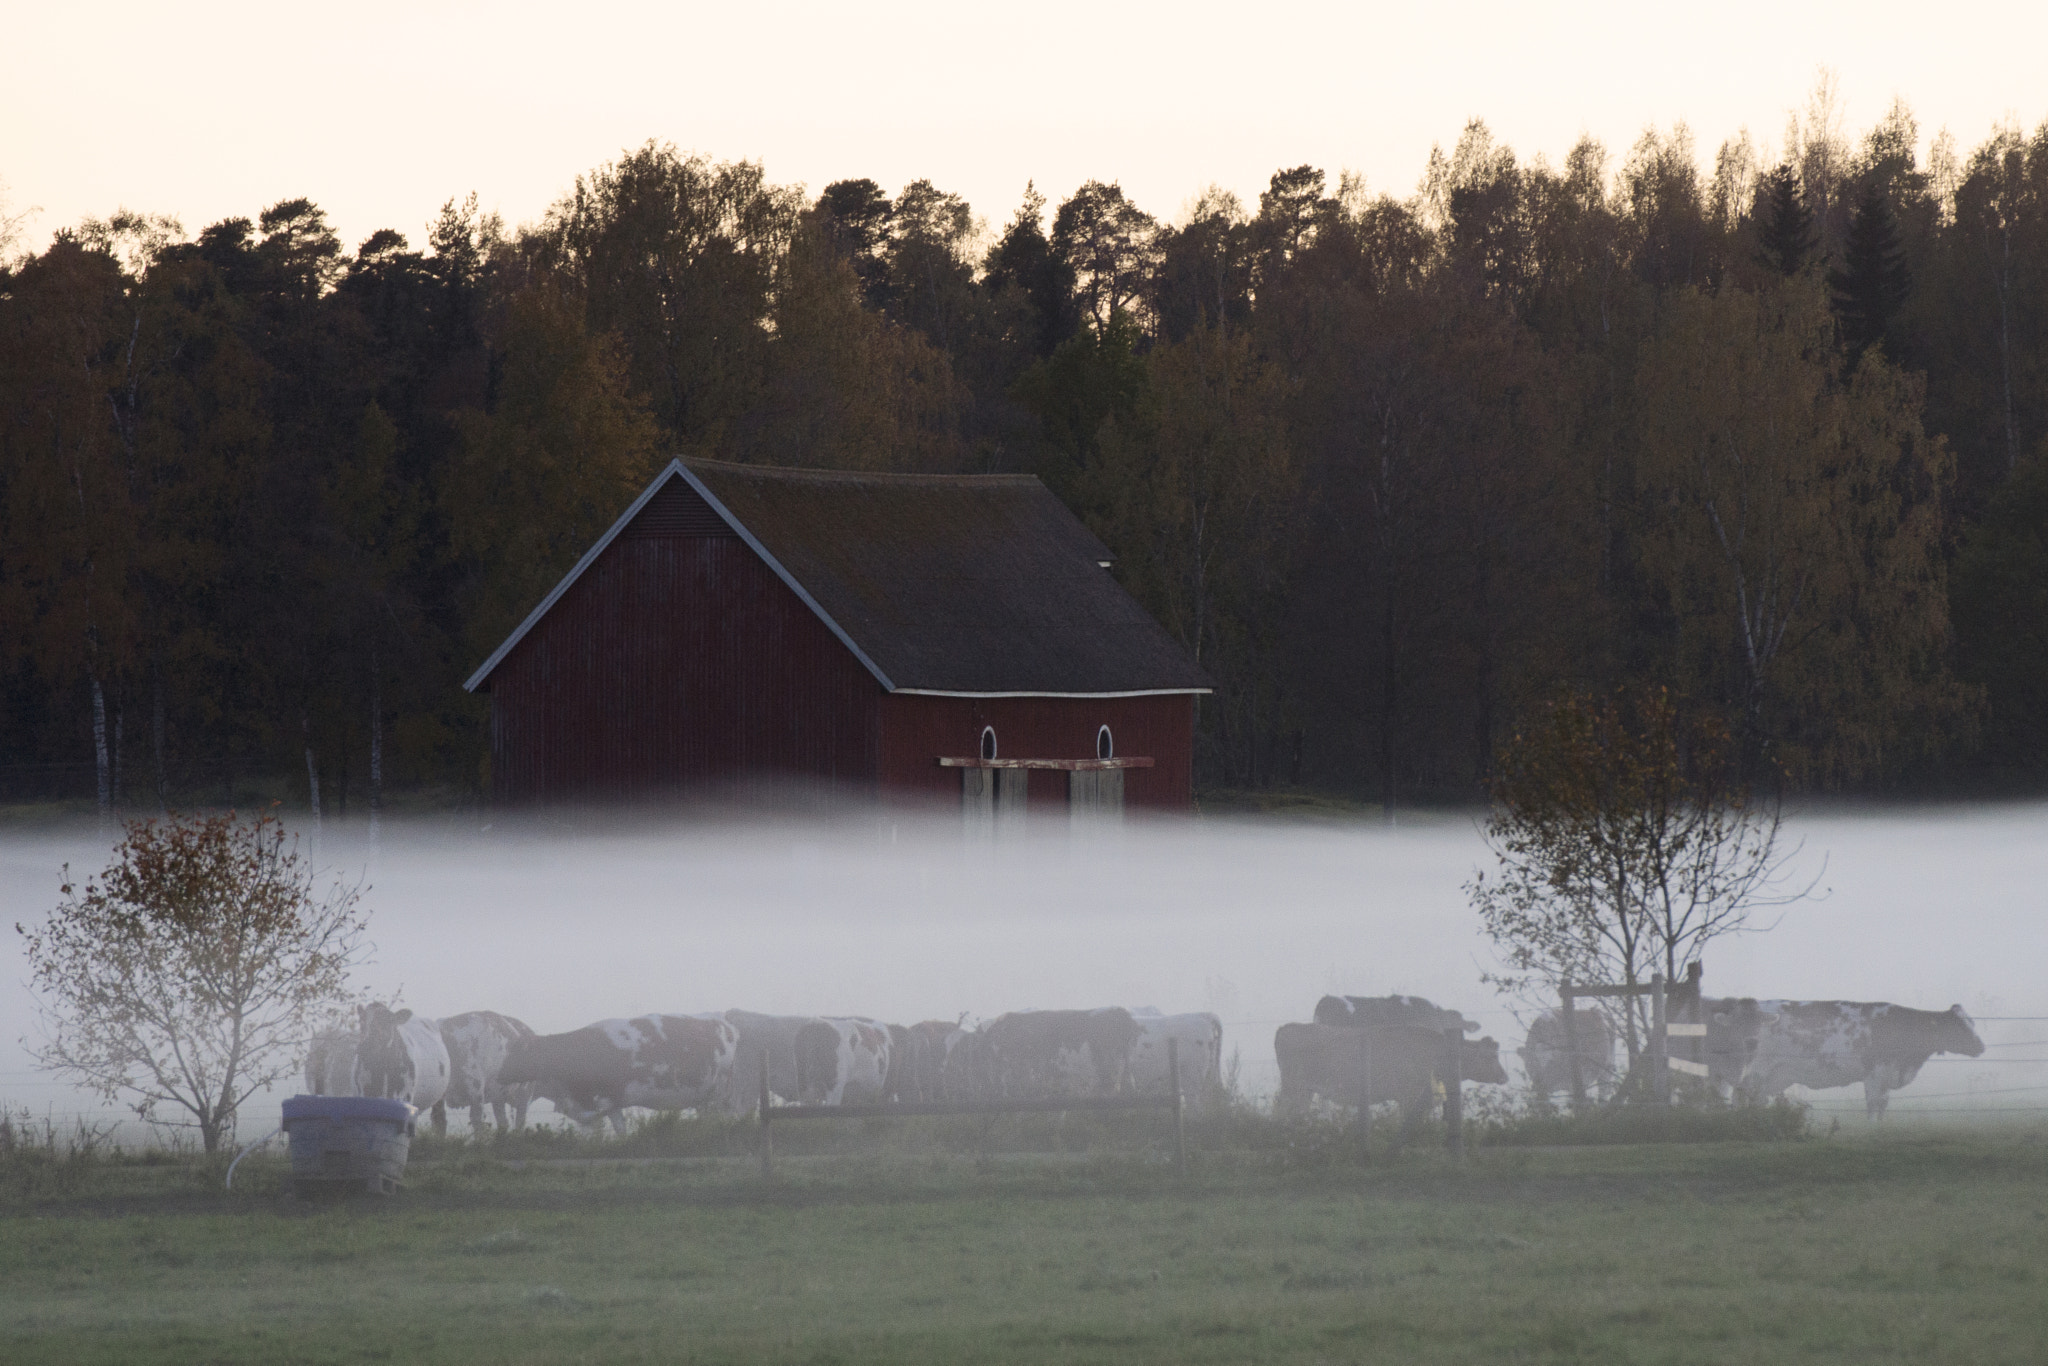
(384, 1066)
(1959, 1033)
(1479, 1060)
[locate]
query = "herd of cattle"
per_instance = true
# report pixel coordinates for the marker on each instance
(1358, 1051)
(721, 1061)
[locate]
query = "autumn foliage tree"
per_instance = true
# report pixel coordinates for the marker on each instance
(187, 976)
(1724, 420)
(1792, 524)
(1625, 841)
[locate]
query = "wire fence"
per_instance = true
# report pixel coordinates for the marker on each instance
(44, 1099)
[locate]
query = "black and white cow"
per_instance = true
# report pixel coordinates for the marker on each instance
(399, 1056)
(1415, 1011)
(968, 1068)
(1822, 1044)
(842, 1061)
(917, 1060)
(659, 1062)
(1365, 1065)
(1547, 1056)
(477, 1042)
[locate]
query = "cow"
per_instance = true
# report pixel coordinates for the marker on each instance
(399, 1056)
(477, 1042)
(969, 1069)
(1352, 1011)
(661, 1062)
(331, 1063)
(917, 1060)
(772, 1037)
(1547, 1056)
(1822, 1044)
(1039, 1054)
(1200, 1039)
(1363, 1066)
(842, 1061)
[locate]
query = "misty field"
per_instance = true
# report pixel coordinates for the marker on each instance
(1919, 1244)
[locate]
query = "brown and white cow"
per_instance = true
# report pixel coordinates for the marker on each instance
(1034, 1054)
(1363, 1066)
(1416, 1011)
(842, 1061)
(1823, 1044)
(399, 1056)
(1199, 1036)
(477, 1042)
(769, 1038)
(659, 1062)
(1547, 1055)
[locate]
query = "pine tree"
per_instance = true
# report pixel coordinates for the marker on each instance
(1784, 232)
(1871, 284)
(1025, 259)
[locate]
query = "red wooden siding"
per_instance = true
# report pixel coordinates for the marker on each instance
(678, 661)
(917, 729)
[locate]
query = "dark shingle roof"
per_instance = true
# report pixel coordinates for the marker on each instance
(940, 583)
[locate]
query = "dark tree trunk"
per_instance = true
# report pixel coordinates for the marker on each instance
(312, 768)
(376, 745)
(101, 759)
(156, 737)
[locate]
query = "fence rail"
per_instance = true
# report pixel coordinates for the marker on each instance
(772, 1114)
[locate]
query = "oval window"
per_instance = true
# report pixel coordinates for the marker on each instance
(1105, 744)
(988, 742)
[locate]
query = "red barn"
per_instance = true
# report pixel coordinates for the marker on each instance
(951, 637)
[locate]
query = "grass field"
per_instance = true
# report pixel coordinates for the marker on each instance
(1917, 1244)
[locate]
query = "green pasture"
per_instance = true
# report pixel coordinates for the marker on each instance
(1922, 1243)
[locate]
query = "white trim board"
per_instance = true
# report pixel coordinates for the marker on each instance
(1135, 692)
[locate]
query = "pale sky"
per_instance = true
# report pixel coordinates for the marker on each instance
(206, 110)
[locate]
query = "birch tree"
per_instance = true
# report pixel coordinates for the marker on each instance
(1791, 523)
(187, 976)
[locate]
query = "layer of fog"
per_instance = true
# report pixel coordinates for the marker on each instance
(562, 924)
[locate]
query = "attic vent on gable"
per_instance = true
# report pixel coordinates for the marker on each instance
(677, 512)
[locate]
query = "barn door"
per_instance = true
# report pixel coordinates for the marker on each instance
(1011, 785)
(1095, 795)
(993, 799)
(978, 800)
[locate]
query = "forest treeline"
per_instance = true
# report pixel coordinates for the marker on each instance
(1770, 432)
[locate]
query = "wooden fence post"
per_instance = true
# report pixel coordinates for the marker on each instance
(767, 1133)
(1660, 1046)
(1571, 1043)
(1454, 1092)
(1180, 1139)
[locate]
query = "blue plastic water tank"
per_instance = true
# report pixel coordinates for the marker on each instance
(356, 1108)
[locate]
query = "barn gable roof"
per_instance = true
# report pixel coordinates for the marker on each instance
(977, 585)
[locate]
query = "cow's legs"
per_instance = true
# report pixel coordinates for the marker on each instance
(476, 1118)
(1876, 1095)
(1413, 1112)
(1416, 1106)
(440, 1119)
